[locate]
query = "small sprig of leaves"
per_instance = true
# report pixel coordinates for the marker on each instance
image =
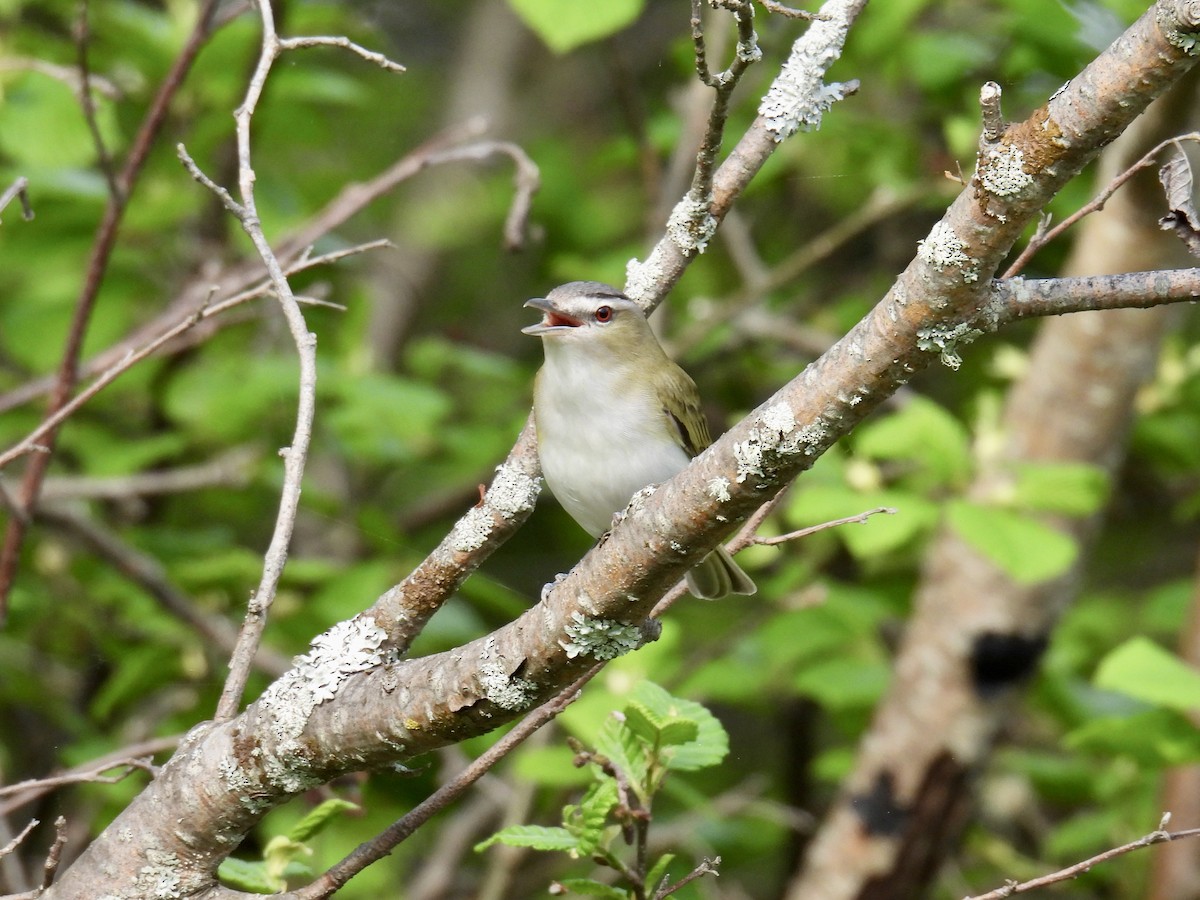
(282, 858)
(654, 734)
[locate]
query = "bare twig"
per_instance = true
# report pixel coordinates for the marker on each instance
(19, 189)
(16, 842)
(83, 38)
(824, 526)
(229, 469)
(1045, 235)
(723, 84)
(300, 43)
(295, 455)
(52, 859)
(106, 237)
(132, 356)
(526, 181)
(706, 867)
(384, 843)
(1155, 837)
(779, 9)
(92, 776)
(39, 788)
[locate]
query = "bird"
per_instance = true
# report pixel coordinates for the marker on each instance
(614, 414)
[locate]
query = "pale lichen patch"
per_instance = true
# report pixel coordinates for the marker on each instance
(945, 341)
(499, 686)
(943, 249)
(691, 225)
(1002, 171)
(718, 489)
(599, 638)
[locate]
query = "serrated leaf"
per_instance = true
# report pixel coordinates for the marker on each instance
(1141, 669)
(320, 818)
(625, 751)
(586, 887)
(537, 837)
(656, 730)
(711, 743)
(1023, 547)
(565, 24)
(589, 820)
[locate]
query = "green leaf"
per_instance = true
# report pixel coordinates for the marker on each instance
(248, 876)
(657, 730)
(844, 683)
(588, 888)
(711, 744)
(623, 749)
(382, 418)
(280, 854)
(538, 837)
(923, 432)
(1154, 739)
(1023, 547)
(1141, 669)
(589, 819)
(566, 24)
(1073, 489)
(320, 818)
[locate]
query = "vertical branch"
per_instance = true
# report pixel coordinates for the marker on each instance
(106, 238)
(83, 38)
(294, 455)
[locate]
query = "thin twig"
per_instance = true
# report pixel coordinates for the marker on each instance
(94, 776)
(824, 526)
(772, 6)
(706, 867)
(30, 443)
(16, 842)
(295, 455)
(1044, 236)
(39, 788)
(83, 39)
(723, 85)
(1155, 837)
(19, 189)
(385, 842)
(106, 238)
(300, 43)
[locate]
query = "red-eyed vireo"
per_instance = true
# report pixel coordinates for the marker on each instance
(614, 414)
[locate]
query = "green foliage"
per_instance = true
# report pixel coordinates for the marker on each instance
(424, 380)
(653, 735)
(282, 857)
(566, 24)
(1142, 669)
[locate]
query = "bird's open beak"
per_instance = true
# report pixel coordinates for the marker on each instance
(552, 319)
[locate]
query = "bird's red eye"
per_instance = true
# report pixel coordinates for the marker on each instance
(604, 314)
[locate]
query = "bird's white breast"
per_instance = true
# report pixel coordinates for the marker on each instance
(602, 436)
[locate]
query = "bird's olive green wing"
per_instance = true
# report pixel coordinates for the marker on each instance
(681, 403)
